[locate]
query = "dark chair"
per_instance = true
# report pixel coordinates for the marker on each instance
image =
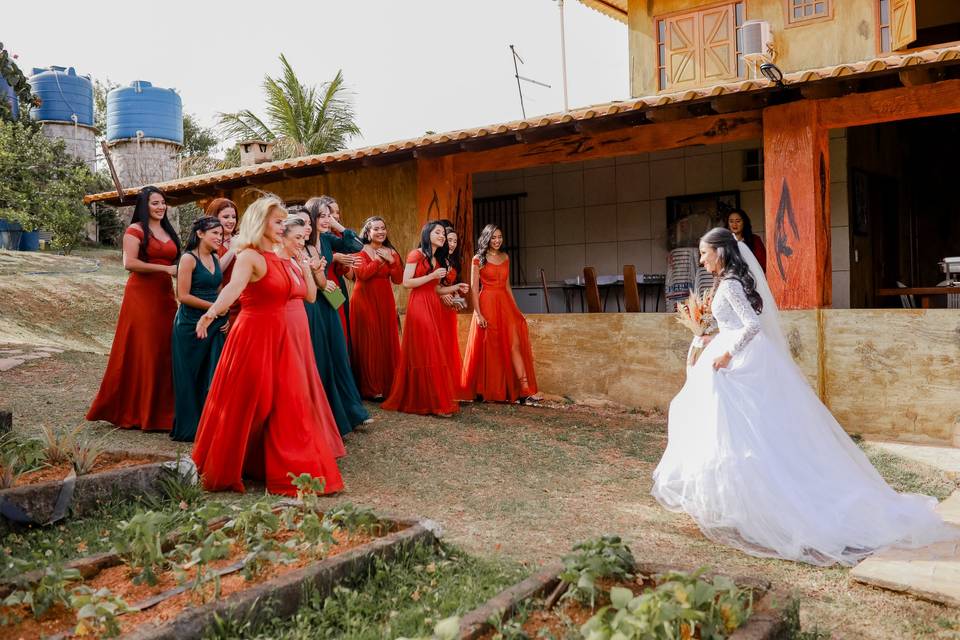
(592, 290)
(631, 292)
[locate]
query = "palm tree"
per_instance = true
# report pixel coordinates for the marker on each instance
(302, 119)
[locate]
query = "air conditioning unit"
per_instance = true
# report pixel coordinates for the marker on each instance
(757, 40)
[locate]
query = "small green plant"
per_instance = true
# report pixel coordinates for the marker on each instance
(97, 612)
(309, 490)
(604, 557)
(23, 454)
(9, 472)
(175, 488)
(57, 444)
(216, 546)
(85, 453)
(681, 606)
(140, 544)
(791, 629)
(50, 590)
(355, 519)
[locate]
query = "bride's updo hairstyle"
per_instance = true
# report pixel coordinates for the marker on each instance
(732, 264)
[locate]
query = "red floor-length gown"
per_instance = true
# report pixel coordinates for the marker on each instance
(137, 386)
(450, 334)
(300, 339)
(259, 419)
(424, 382)
(374, 331)
(487, 365)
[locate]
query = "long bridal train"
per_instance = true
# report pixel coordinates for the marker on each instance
(762, 465)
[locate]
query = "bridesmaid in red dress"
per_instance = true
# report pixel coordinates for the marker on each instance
(498, 365)
(374, 330)
(449, 308)
(259, 419)
(425, 381)
(305, 288)
(226, 212)
(137, 387)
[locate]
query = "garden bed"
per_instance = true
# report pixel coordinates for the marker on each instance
(42, 497)
(542, 606)
(257, 561)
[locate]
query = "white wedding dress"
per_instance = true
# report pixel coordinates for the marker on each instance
(762, 465)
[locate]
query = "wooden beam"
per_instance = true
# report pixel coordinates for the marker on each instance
(796, 166)
(889, 105)
(626, 141)
(821, 90)
(736, 102)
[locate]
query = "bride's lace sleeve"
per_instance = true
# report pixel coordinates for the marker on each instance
(737, 298)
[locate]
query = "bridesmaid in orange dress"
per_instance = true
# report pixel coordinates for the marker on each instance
(450, 308)
(305, 288)
(137, 386)
(374, 330)
(260, 419)
(498, 365)
(425, 381)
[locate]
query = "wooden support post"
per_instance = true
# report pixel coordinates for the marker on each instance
(6, 421)
(797, 196)
(443, 193)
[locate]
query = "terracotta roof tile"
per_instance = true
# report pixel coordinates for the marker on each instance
(927, 56)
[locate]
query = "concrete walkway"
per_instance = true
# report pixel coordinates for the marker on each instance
(943, 458)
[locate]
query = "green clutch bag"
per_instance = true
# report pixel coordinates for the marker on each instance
(335, 297)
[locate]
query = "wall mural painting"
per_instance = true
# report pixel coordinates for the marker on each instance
(785, 216)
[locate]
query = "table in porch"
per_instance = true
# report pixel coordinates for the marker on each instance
(923, 293)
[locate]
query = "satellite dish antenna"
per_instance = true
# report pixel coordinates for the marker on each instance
(516, 74)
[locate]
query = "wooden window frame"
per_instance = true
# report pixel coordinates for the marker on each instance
(791, 22)
(739, 17)
(897, 52)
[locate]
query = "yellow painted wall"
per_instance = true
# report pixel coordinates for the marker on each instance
(390, 192)
(889, 374)
(851, 35)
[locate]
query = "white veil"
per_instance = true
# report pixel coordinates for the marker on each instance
(770, 317)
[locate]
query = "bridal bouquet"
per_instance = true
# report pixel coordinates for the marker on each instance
(694, 313)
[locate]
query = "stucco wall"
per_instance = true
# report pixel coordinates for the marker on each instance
(890, 374)
(849, 36)
(390, 192)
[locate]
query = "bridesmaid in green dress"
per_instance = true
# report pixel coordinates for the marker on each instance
(326, 331)
(194, 360)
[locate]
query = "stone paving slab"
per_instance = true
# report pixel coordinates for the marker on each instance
(9, 363)
(931, 572)
(943, 458)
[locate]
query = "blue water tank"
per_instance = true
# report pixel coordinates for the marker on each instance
(7, 94)
(157, 112)
(64, 94)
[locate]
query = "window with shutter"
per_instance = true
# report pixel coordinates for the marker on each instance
(699, 47)
(916, 24)
(804, 11)
(903, 23)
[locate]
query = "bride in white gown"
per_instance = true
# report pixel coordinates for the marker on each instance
(755, 457)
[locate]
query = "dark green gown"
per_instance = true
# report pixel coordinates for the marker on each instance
(330, 345)
(195, 360)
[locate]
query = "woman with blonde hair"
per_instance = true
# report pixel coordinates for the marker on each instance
(259, 419)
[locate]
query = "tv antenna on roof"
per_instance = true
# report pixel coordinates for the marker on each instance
(516, 74)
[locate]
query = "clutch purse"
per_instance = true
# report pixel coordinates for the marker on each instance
(335, 297)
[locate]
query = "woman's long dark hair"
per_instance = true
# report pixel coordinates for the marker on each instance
(427, 247)
(313, 207)
(747, 225)
(141, 215)
(483, 242)
(203, 223)
(453, 257)
(732, 265)
(365, 231)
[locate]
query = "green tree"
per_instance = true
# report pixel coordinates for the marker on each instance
(11, 73)
(100, 90)
(42, 186)
(301, 119)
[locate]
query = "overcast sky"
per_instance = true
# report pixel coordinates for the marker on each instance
(413, 66)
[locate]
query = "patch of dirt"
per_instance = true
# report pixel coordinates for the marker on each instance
(107, 461)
